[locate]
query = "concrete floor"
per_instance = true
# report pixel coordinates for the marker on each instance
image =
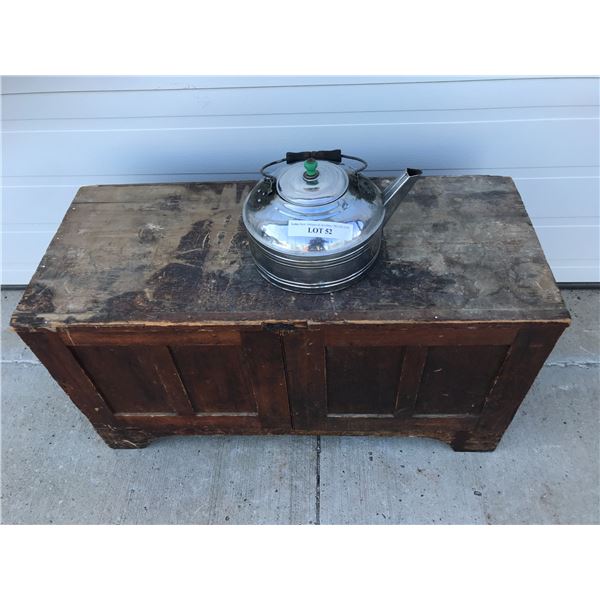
(55, 469)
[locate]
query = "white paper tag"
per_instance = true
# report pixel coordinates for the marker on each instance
(323, 229)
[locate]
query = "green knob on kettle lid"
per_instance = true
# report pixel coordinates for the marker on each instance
(310, 166)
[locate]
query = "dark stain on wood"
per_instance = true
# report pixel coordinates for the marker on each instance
(201, 188)
(414, 283)
(130, 305)
(194, 188)
(38, 298)
(194, 245)
(174, 281)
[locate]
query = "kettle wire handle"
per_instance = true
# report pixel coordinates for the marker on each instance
(329, 155)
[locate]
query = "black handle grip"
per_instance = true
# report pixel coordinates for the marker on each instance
(330, 155)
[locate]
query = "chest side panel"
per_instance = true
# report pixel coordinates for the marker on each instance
(134, 379)
(181, 378)
(215, 378)
(370, 378)
(362, 380)
(456, 380)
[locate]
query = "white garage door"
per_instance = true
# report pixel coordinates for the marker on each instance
(59, 133)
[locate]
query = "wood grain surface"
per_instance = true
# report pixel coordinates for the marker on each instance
(457, 249)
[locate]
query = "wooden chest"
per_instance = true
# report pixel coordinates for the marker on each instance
(149, 312)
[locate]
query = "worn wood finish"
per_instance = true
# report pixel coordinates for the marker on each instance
(522, 363)
(149, 312)
(68, 373)
(436, 334)
(362, 380)
(305, 372)
(214, 378)
(457, 380)
(266, 374)
(458, 248)
(410, 379)
(141, 378)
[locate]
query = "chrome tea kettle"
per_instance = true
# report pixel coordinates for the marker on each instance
(316, 227)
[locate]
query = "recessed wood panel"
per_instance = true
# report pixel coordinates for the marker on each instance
(456, 380)
(215, 378)
(135, 379)
(362, 380)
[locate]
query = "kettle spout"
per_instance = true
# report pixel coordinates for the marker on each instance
(397, 190)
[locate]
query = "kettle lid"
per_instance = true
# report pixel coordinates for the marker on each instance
(312, 183)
